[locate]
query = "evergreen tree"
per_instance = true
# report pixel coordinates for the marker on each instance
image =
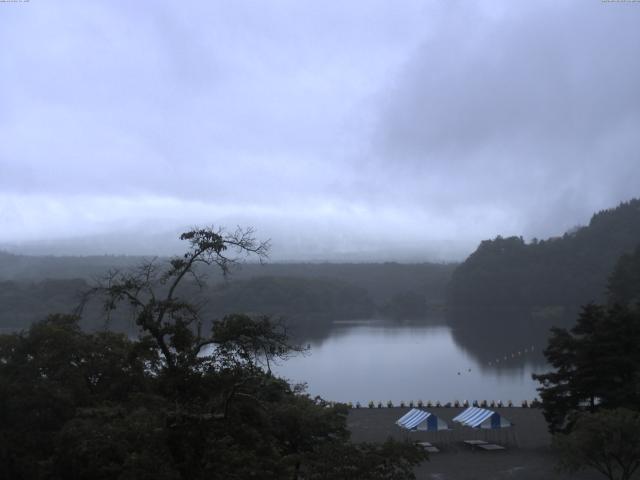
(597, 365)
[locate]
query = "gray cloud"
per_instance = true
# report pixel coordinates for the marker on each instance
(537, 108)
(405, 130)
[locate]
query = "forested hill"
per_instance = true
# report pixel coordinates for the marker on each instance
(570, 270)
(382, 281)
(306, 294)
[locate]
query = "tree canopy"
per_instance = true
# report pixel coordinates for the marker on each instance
(178, 402)
(570, 270)
(624, 282)
(607, 441)
(592, 398)
(596, 365)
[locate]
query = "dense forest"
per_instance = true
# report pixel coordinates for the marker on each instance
(307, 295)
(508, 294)
(565, 271)
(181, 401)
(381, 280)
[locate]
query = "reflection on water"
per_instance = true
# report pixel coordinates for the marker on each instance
(497, 337)
(381, 361)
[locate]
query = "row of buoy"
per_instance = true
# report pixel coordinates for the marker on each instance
(513, 355)
(438, 404)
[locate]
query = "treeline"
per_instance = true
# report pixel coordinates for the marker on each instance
(37, 268)
(177, 402)
(382, 281)
(305, 295)
(567, 271)
(290, 297)
(22, 303)
(297, 300)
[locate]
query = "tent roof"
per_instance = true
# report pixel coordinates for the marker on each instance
(412, 418)
(421, 420)
(481, 417)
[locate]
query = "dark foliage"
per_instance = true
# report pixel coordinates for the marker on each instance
(406, 305)
(607, 441)
(597, 365)
(364, 461)
(624, 283)
(309, 296)
(22, 303)
(301, 301)
(298, 298)
(571, 270)
(380, 280)
(177, 403)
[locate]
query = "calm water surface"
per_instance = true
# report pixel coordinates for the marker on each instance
(379, 361)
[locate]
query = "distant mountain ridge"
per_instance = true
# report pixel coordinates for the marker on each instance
(570, 270)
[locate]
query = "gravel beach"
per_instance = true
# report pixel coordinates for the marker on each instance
(527, 455)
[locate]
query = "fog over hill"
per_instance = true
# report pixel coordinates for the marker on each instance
(306, 246)
(386, 132)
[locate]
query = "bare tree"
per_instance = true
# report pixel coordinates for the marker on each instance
(151, 289)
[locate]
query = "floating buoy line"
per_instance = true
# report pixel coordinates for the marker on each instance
(512, 355)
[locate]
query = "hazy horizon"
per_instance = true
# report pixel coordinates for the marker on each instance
(166, 243)
(364, 131)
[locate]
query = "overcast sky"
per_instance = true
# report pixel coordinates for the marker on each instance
(363, 129)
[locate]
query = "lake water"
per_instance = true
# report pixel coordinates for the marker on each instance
(379, 361)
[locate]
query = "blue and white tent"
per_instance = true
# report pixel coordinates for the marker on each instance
(420, 420)
(476, 417)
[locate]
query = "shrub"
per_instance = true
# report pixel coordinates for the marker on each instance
(607, 441)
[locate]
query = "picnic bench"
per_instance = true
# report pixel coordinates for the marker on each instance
(483, 445)
(429, 447)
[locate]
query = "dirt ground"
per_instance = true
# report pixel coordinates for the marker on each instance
(527, 456)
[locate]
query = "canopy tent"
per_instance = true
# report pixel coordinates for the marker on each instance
(476, 417)
(420, 420)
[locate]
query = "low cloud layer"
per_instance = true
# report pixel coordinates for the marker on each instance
(365, 131)
(536, 108)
